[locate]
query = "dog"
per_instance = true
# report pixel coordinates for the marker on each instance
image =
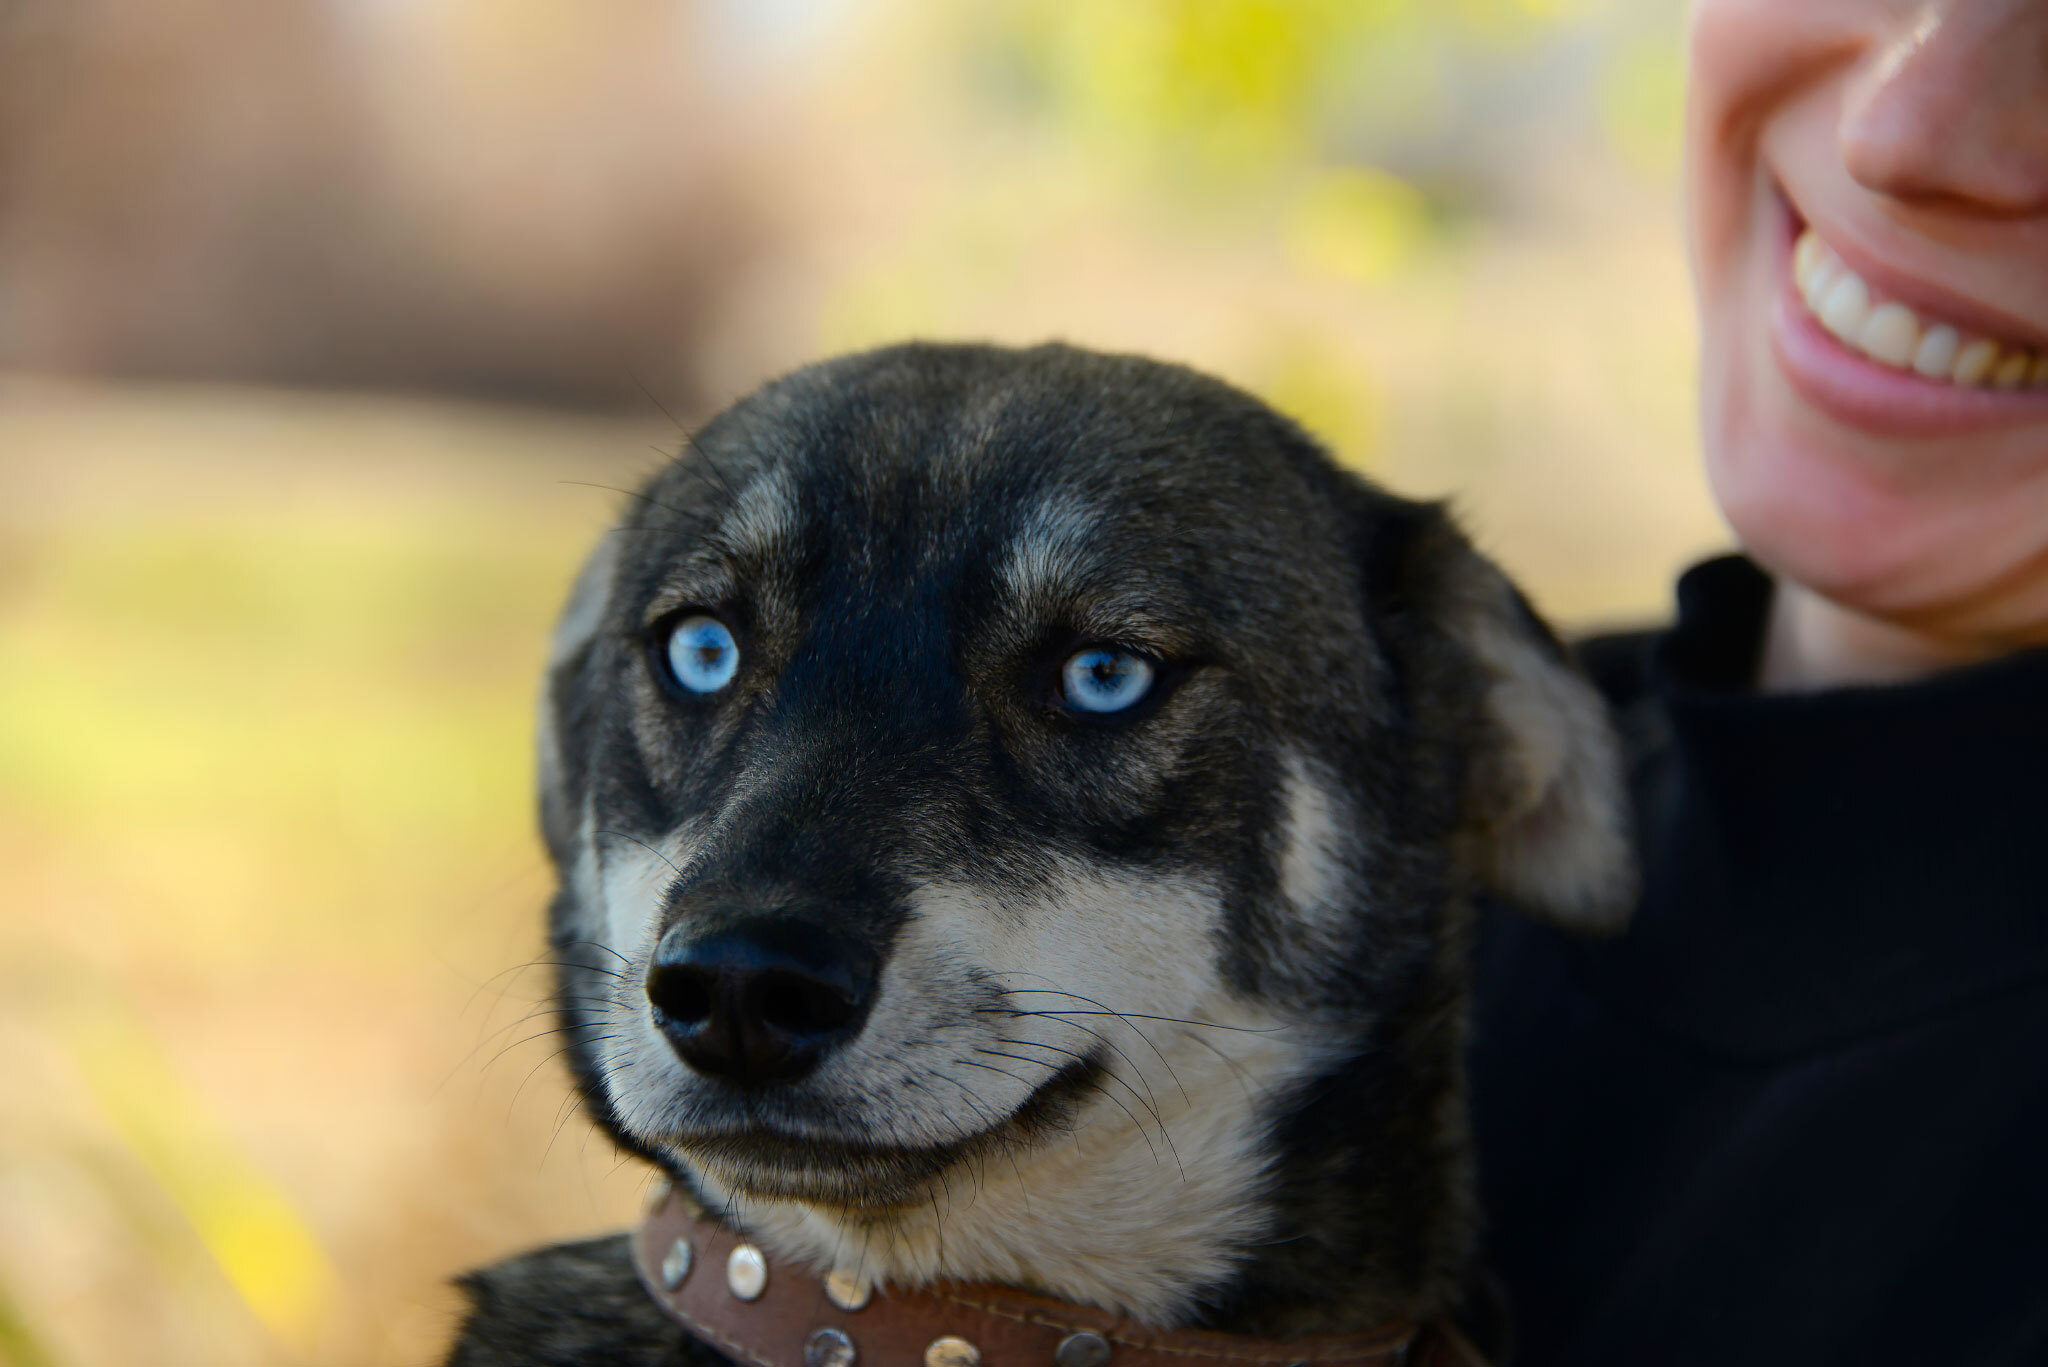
(1018, 815)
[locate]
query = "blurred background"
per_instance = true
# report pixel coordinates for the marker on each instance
(324, 325)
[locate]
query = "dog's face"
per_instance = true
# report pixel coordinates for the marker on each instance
(957, 751)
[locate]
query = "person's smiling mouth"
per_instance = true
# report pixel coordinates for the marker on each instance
(1866, 357)
(1893, 334)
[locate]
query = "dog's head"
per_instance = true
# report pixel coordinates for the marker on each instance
(978, 761)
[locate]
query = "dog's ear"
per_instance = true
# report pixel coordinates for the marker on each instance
(1544, 816)
(1547, 802)
(565, 707)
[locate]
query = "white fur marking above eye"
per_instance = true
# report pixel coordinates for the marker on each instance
(763, 519)
(1048, 545)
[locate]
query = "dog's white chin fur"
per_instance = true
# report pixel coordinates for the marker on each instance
(1123, 1212)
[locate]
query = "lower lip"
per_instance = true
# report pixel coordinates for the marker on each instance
(1857, 391)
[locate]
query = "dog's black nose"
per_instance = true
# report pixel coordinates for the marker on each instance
(759, 1003)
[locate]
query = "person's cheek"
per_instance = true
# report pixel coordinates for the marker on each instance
(1746, 60)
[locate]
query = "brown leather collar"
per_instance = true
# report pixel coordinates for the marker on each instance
(700, 1272)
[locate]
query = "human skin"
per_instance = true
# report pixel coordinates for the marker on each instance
(1904, 519)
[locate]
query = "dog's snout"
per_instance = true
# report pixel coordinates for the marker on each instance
(760, 1003)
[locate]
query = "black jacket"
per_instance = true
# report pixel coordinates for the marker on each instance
(1798, 1114)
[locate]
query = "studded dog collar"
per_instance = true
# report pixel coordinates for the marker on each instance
(731, 1295)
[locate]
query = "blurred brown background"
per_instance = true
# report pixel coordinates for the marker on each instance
(318, 320)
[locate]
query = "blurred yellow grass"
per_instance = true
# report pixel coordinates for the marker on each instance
(261, 1243)
(266, 666)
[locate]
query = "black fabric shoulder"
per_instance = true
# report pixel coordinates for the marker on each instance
(1618, 663)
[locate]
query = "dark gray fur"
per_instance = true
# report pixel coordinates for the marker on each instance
(897, 700)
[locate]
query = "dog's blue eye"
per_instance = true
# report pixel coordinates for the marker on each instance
(702, 654)
(1103, 680)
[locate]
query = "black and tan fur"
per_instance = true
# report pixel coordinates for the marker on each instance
(1168, 1007)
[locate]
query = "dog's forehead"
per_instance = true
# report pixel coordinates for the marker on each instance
(1048, 477)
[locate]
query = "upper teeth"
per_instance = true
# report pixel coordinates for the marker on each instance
(1890, 333)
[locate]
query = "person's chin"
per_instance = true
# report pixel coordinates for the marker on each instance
(1798, 503)
(1820, 518)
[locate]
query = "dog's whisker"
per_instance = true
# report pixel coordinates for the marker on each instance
(634, 494)
(513, 972)
(563, 1028)
(959, 1132)
(535, 1014)
(973, 1098)
(562, 1114)
(519, 1044)
(1149, 1101)
(689, 438)
(1020, 1014)
(694, 522)
(1151, 1106)
(599, 944)
(939, 1221)
(1164, 1020)
(1134, 1067)
(1023, 1187)
(1127, 1018)
(513, 1104)
(555, 1007)
(674, 459)
(1136, 1123)
(571, 963)
(1244, 1079)
(993, 1069)
(867, 1237)
(480, 988)
(691, 443)
(636, 840)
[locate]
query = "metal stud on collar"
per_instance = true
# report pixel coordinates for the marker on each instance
(675, 1264)
(1082, 1349)
(746, 1272)
(829, 1348)
(844, 1291)
(950, 1350)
